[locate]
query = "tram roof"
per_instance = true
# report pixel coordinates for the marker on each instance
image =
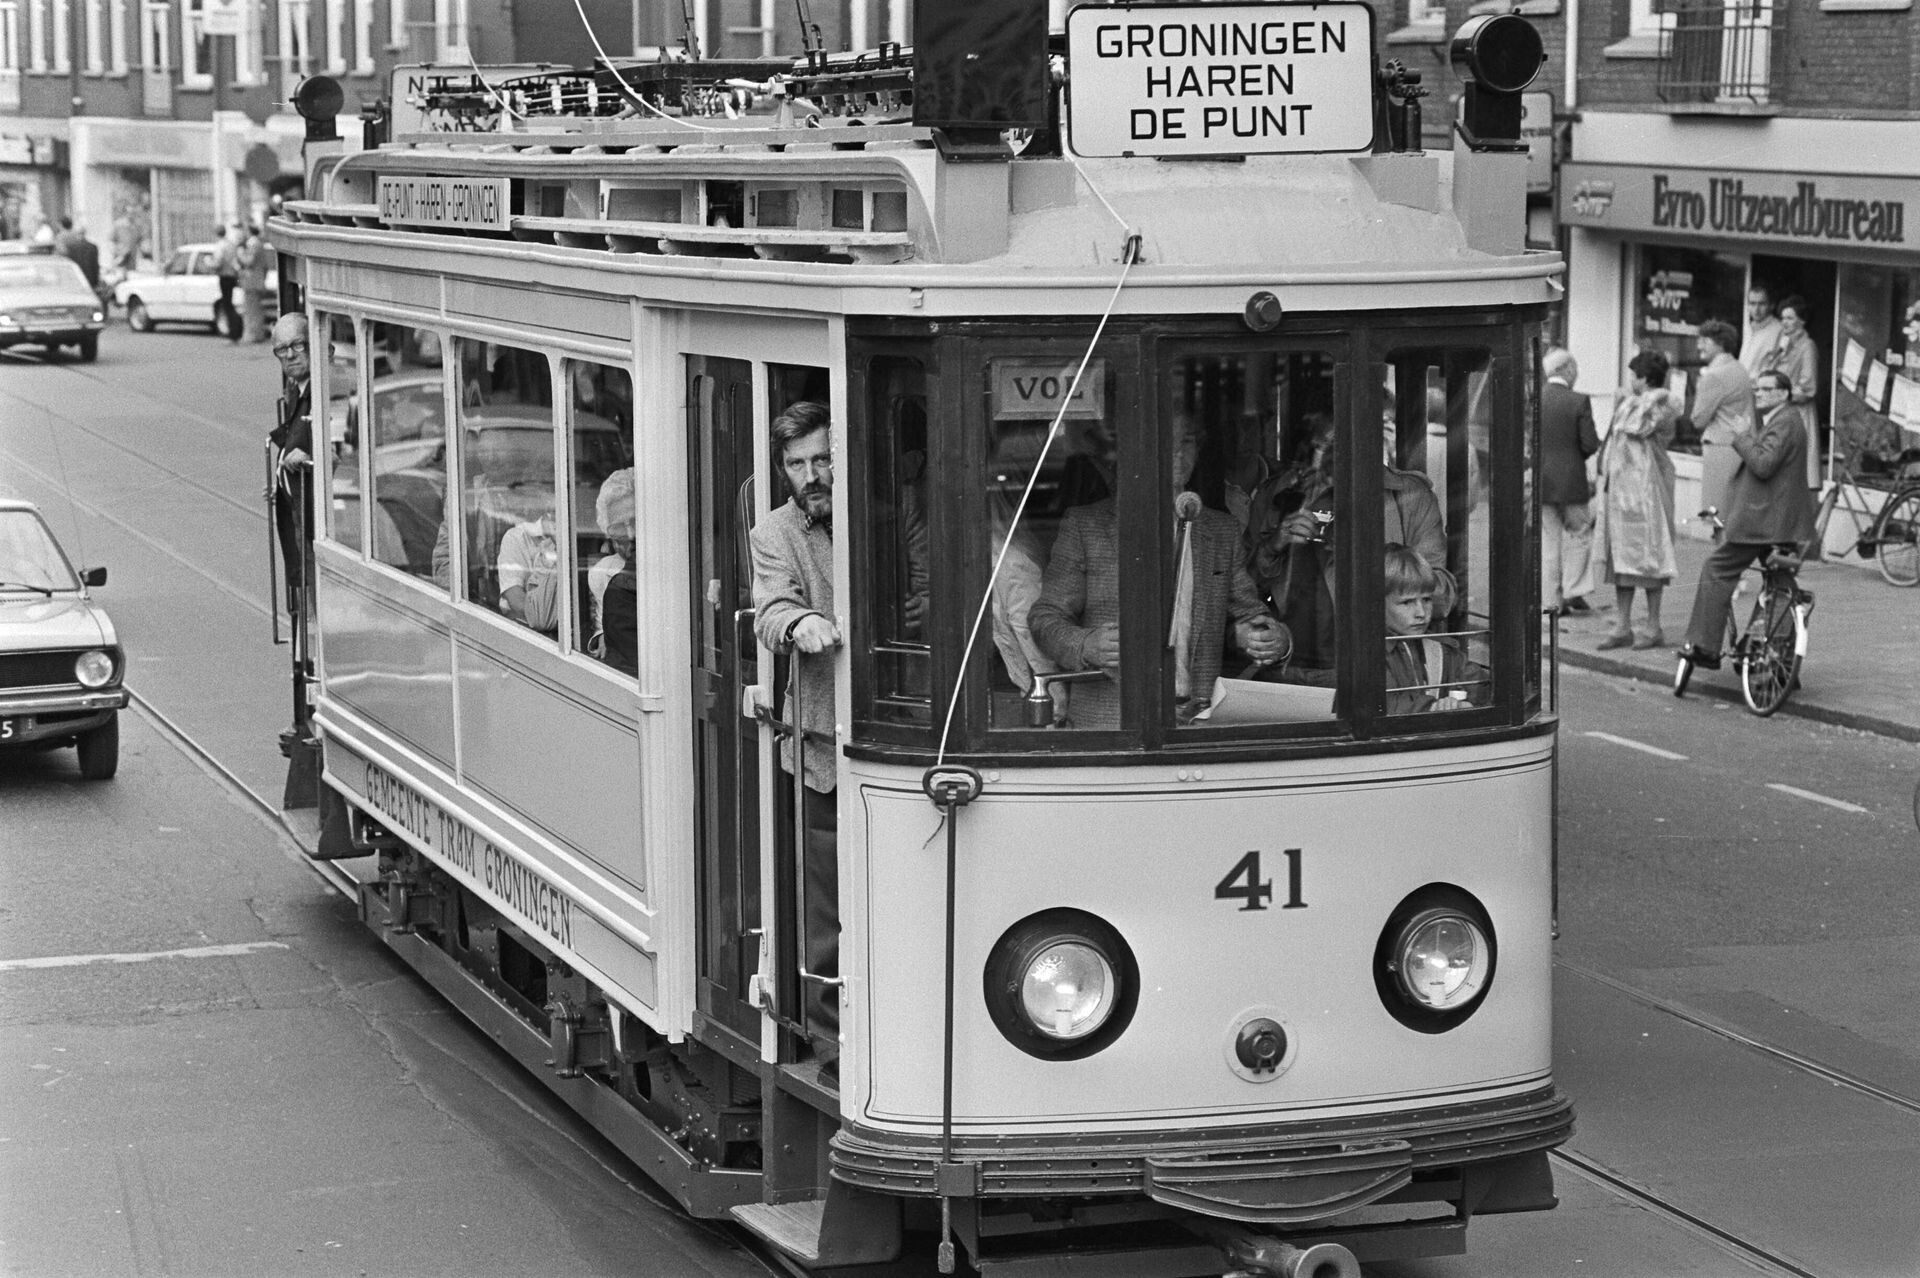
(1327, 222)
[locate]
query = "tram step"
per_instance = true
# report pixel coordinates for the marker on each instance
(846, 1227)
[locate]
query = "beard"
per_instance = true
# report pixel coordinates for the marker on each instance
(817, 500)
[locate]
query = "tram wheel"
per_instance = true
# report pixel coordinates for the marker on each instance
(1899, 540)
(1772, 667)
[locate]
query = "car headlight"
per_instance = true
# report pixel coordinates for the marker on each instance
(1435, 959)
(1061, 984)
(1442, 961)
(7, 319)
(93, 669)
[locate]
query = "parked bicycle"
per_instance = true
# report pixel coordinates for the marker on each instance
(1768, 651)
(1890, 535)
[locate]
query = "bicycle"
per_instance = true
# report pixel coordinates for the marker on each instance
(1891, 537)
(1768, 652)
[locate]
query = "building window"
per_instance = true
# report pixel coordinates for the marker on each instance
(156, 36)
(37, 36)
(9, 36)
(296, 54)
(450, 31)
(396, 24)
(1648, 31)
(363, 37)
(117, 36)
(62, 47)
(249, 52)
(196, 48)
(334, 37)
(93, 50)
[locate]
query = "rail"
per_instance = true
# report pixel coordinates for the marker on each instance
(1722, 52)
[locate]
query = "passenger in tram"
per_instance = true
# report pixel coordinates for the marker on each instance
(1291, 532)
(528, 570)
(793, 612)
(611, 584)
(1076, 620)
(292, 440)
(1425, 673)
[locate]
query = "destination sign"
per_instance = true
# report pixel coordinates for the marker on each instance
(468, 204)
(1219, 79)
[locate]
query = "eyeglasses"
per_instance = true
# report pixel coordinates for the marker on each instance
(281, 352)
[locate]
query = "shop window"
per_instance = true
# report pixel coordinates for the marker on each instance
(506, 436)
(1676, 290)
(899, 572)
(1876, 384)
(407, 449)
(605, 513)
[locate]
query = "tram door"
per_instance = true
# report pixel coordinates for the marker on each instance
(720, 451)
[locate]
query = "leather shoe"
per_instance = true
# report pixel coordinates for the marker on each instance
(1614, 641)
(1701, 658)
(1655, 640)
(1577, 605)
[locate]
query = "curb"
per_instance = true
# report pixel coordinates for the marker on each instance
(1799, 707)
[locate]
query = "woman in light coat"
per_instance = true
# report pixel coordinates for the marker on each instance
(1633, 509)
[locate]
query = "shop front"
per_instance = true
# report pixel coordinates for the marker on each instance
(1661, 249)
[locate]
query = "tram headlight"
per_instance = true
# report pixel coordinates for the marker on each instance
(1068, 990)
(1442, 961)
(93, 669)
(1435, 959)
(1061, 984)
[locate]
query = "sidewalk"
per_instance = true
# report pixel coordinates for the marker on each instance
(1863, 656)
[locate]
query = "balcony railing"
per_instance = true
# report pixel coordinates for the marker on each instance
(1726, 52)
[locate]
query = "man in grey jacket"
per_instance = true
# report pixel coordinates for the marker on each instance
(1722, 409)
(793, 612)
(1767, 505)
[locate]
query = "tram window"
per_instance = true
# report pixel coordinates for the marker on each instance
(606, 603)
(1056, 604)
(338, 351)
(513, 560)
(1437, 606)
(1264, 451)
(407, 446)
(900, 569)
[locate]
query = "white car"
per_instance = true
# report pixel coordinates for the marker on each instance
(187, 291)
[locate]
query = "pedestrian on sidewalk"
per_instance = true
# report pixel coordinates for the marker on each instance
(1768, 504)
(256, 258)
(1722, 409)
(1763, 330)
(226, 265)
(1798, 359)
(1567, 438)
(1633, 511)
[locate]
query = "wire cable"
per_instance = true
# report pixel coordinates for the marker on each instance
(1129, 255)
(632, 92)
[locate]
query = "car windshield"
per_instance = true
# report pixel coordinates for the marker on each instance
(28, 556)
(54, 272)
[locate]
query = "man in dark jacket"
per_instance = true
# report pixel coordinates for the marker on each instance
(1768, 505)
(1567, 438)
(292, 441)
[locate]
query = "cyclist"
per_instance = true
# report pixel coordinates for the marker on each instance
(1768, 505)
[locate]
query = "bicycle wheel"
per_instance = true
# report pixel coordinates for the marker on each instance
(1898, 533)
(1771, 666)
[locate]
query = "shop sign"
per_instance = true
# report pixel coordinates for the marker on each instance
(160, 146)
(1813, 208)
(1223, 79)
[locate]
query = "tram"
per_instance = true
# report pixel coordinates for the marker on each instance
(1179, 929)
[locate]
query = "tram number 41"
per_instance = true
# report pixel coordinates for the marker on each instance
(1243, 883)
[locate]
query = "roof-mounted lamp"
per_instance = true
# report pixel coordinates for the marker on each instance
(1496, 56)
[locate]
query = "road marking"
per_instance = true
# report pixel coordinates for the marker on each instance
(87, 960)
(1798, 793)
(1641, 746)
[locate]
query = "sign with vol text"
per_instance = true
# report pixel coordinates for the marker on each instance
(1219, 79)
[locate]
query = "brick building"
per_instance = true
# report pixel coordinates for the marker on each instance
(1752, 143)
(132, 118)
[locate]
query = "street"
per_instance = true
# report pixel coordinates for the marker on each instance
(209, 1068)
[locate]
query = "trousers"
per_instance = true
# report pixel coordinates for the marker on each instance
(1713, 597)
(1566, 553)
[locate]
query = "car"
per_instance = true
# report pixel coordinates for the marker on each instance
(185, 291)
(45, 301)
(62, 670)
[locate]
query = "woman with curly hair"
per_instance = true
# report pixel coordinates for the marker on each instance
(1633, 509)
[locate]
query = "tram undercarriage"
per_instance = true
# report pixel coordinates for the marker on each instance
(695, 1120)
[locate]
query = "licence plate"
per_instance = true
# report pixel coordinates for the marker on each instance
(10, 728)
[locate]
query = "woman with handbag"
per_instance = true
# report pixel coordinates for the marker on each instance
(1633, 507)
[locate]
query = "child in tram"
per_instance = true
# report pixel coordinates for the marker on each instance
(1425, 673)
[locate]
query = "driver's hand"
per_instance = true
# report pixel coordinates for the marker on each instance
(815, 634)
(1103, 648)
